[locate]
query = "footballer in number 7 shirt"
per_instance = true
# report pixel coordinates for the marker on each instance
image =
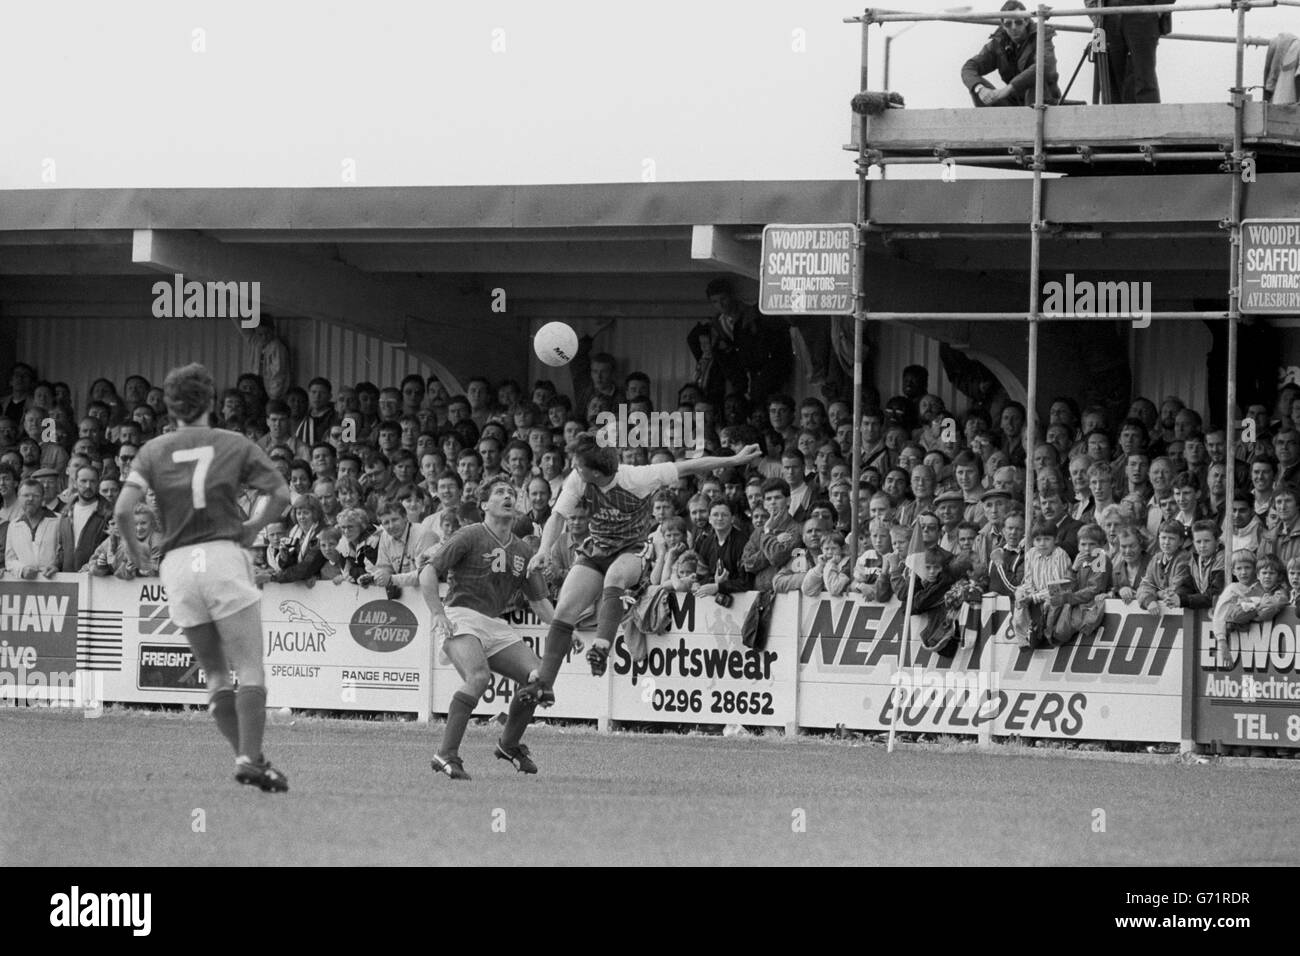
(196, 473)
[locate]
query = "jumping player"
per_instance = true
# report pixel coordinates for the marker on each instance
(196, 474)
(612, 557)
(485, 564)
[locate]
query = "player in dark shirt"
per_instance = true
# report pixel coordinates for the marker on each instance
(196, 474)
(486, 565)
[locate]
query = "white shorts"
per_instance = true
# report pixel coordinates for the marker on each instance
(493, 633)
(207, 582)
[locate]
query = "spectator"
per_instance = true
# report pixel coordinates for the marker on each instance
(1247, 529)
(1084, 603)
(1168, 579)
(84, 523)
(593, 378)
(802, 559)
(721, 553)
(32, 541)
(565, 551)
(1067, 529)
(771, 543)
(802, 494)
(333, 566)
(1007, 562)
(1041, 596)
(1286, 449)
(1131, 51)
(1263, 473)
(831, 572)
(451, 498)
(400, 543)
(1239, 603)
(670, 543)
(1206, 567)
(320, 416)
(357, 546)
(533, 519)
(22, 381)
(1011, 51)
(1129, 566)
(753, 350)
(8, 492)
(1283, 539)
(111, 556)
(280, 432)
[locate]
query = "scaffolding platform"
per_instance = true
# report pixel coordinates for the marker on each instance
(1082, 140)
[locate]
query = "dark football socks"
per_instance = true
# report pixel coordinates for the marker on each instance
(250, 705)
(558, 641)
(458, 714)
(610, 614)
(517, 721)
(222, 709)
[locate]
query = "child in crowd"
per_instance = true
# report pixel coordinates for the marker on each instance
(867, 572)
(930, 618)
(830, 572)
(1240, 603)
(1085, 604)
(334, 569)
(1206, 566)
(1276, 595)
(672, 544)
(1169, 576)
(1047, 571)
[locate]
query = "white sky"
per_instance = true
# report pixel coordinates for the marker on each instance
(414, 94)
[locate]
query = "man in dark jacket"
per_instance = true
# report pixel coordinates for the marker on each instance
(1010, 51)
(84, 522)
(743, 350)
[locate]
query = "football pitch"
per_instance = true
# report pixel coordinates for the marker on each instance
(143, 788)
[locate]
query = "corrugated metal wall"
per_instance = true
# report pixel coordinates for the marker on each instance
(80, 350)
(1169, 359)
(898, 346)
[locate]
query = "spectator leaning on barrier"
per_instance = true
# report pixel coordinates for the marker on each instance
(32, 541)
(298, 556)
(1168, 579)
(721, 553)
(84, 523)
(400, 543)
(112, 556)
(771, 543)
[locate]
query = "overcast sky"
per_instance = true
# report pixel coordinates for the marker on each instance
(396, 92)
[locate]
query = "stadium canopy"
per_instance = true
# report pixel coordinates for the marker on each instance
(413, 265)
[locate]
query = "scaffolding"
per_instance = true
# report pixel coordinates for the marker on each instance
(1232, 161)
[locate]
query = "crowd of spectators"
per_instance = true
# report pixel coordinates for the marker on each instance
(1130, 509)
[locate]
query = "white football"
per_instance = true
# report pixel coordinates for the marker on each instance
(555, 344)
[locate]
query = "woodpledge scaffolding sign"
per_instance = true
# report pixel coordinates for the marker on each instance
(807, 269)
(1270, 266)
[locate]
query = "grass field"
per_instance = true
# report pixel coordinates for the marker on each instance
(124, 788)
